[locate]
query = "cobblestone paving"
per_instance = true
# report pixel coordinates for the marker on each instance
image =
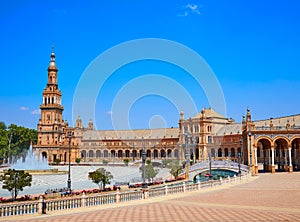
(270, 197)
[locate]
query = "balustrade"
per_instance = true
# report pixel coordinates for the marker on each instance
(101, 199)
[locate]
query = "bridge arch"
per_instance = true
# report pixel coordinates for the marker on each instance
(201, 167)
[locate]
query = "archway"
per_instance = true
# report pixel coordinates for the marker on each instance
(98, 153)
(264, 161)
(213, 153)
(169, 153)
(44, 155)
(176, 153)
(226, 152)
(120, 153)
(281, 154)
(155, 154)
(127, 153)
(296, 154)
(91, 154)
(105, 153)
(134, 155)
(232, 153)
(163, 154)
(113, 154)
(219, 152)
(148, 153)
(83, 154)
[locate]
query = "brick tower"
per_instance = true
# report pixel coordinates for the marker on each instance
(53, 142)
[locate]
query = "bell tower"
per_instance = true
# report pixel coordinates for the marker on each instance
(52, 129)
(51, 108)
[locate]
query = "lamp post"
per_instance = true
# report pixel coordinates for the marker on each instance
(250, 150)
(144, 184)
(194, 149)
(209, 156)
(70, 135)
(187, 156)
(239, 163)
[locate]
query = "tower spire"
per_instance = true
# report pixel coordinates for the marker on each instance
(52, 65)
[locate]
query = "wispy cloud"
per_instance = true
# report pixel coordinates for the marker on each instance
(190, 9)
(36, 112)
(108, 112)
(24, 108)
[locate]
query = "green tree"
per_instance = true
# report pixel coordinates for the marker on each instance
(150, 172)
(101, 177)
(15, 140)
(148, 162)
(77, 160)
(105, 162)
(15, 180)
(126, 161)
(176, 169)
(2, 126)
(165, 163)
(57, 161)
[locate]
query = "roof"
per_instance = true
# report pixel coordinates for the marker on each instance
(159, 133)
(209, 113)
(293, 120)
(229, 129)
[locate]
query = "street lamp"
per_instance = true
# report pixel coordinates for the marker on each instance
(209, 156)
(250, 150)
(239, 163)
(193, 155)
(187, 155)
(144, 184)
(70, 135)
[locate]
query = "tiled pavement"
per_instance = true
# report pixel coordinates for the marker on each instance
(268, 197)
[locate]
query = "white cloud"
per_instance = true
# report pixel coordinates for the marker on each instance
(108, 112)
(24, 108)
(190, 9)
(36, 112)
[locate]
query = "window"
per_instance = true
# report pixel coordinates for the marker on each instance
(209, 139)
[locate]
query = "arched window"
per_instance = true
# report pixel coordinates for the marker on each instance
(83, 154)
(219, 152)
(91, 154)
(226, 152)
(98, 153)
(105, 153)
(212, 152)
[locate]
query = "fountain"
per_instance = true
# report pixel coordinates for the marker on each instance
(34, 164)
(33, 161)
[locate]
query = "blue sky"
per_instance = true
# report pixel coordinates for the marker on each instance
(253, 47)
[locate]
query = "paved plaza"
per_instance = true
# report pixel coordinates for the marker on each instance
(267, 197)
(79, 177)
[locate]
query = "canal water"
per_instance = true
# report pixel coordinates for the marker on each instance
(215, 175)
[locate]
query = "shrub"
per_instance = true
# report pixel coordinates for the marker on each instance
(126, 161)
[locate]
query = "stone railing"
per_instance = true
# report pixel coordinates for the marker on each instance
(217, 164)
(43, 206)
(18, 208)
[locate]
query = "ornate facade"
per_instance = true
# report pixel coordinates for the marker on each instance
(268, 145)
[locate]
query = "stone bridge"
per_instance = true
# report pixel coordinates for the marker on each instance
(215, 165)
